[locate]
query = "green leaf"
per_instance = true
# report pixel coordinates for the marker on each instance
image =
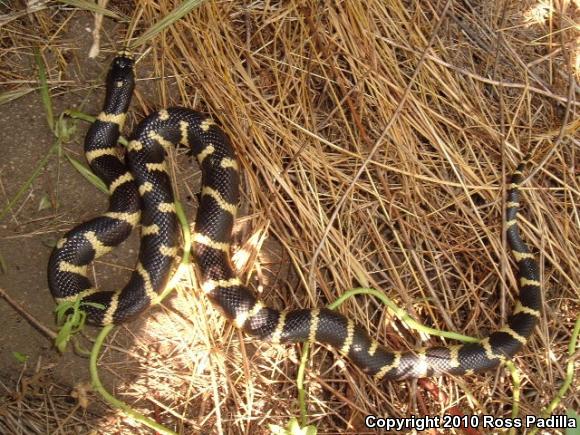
(179, 12)
(92, 7)
(88, 174)
(64, 128)
(6, 97)
(293, 428)
(44, 202)
(74, 321)
(575, 430)
(75, 114)
(20, 357)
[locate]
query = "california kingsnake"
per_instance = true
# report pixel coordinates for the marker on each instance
(140, 191)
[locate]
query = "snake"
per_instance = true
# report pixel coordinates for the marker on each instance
(140, 193)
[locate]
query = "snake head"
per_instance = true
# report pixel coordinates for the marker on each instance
(121, 72)
(120, 84)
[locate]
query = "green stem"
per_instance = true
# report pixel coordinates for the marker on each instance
(185, 230)
(401, 314)
(98, 386)
(75, 114)
(517, 388)
(569, 375)
(569, 371)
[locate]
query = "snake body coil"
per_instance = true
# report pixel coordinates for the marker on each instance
(141, 192)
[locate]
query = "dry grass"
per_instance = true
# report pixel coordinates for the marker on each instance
(375, 140)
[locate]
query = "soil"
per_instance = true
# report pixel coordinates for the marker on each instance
(57, 200)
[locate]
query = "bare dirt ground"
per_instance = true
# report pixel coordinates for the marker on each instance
(31, 230)
(306, 90)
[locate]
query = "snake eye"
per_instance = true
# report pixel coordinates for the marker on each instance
(122, 63)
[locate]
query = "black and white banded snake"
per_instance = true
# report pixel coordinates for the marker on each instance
(140, 192)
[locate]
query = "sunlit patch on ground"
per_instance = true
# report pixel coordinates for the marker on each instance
(539, 13)
(188, 357)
